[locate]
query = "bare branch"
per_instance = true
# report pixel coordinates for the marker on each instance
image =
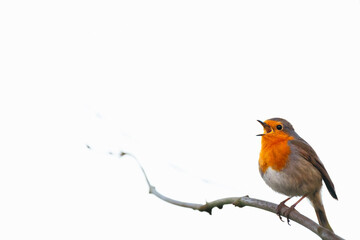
(241, 202)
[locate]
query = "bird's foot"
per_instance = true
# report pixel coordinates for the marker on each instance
(292, 208)
(287, 213)
(278, 209)
(280, 206)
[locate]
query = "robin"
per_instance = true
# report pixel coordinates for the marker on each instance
(290, 166)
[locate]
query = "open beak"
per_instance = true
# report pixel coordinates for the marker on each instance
(266, 127)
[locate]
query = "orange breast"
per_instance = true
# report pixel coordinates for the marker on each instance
(274, 153)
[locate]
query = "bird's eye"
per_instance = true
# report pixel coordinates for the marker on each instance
(279, 127)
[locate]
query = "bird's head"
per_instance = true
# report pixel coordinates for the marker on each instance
(277, 128)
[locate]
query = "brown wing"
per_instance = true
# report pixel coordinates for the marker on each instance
(309, 154)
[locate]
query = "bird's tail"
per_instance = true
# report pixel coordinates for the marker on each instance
(320, 210)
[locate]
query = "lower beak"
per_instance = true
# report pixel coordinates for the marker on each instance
(266, 127)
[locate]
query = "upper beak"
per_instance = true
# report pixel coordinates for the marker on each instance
(266, 127)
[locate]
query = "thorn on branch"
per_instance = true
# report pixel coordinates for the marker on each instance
(239, 204)
(209, 211)
(206, 208)
(151, 189)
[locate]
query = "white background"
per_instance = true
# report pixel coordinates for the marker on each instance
(179, 84)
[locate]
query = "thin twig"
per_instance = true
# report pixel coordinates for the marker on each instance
(241, 202)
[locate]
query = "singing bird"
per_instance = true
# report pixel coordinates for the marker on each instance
(289, 165)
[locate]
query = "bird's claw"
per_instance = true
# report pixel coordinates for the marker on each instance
(278, 210)
(287, 213)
